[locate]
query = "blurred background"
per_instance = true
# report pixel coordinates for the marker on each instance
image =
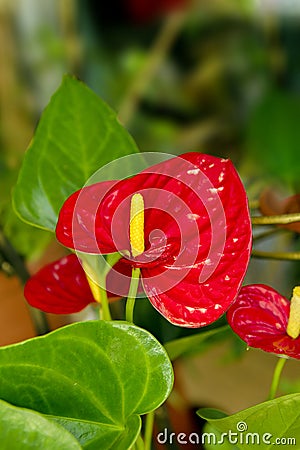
(219, 76)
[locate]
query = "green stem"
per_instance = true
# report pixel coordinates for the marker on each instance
(284, 256)
(134, 284)
(276, 377)
(149, 430)
(104, 304)
(139, 443)
(112, 259)
(96, 276)
(282, 219)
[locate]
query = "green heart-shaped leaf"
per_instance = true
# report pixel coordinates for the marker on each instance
(77, 134)
(262, 426)
(21, 429)
(94, 378)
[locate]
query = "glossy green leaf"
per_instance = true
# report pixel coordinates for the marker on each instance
(263, 426)
(192, 344)
(94, 378)
(21, 429)
(77, 134)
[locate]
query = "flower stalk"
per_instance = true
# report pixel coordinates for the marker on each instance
(276, 377)
(282, 219)
(149, 430)
(133, 289)
(99, 294)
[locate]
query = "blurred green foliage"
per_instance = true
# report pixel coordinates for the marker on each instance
(273, 138)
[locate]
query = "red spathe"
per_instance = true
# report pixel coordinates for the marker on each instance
(197, 233)
(260, 316)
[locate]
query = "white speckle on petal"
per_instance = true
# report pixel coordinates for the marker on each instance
(235, 239)
(278, 326)
(211, 165)
(63, 261)
(193, 216)
(56, 276)
(221, 177)
(217, 306)
(207, 261)
(202, 310)
(56, 266)
(215, 190)
(193, 171)
(227, 278)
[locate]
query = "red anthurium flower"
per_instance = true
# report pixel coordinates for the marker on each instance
(62, 287)
(265, 319)
(184, 222)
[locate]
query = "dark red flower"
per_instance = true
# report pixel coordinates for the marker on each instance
(260, 317)
(142, 11)
(197, 233)
(62, 287)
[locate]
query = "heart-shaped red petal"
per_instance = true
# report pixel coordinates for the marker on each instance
(260, 316)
